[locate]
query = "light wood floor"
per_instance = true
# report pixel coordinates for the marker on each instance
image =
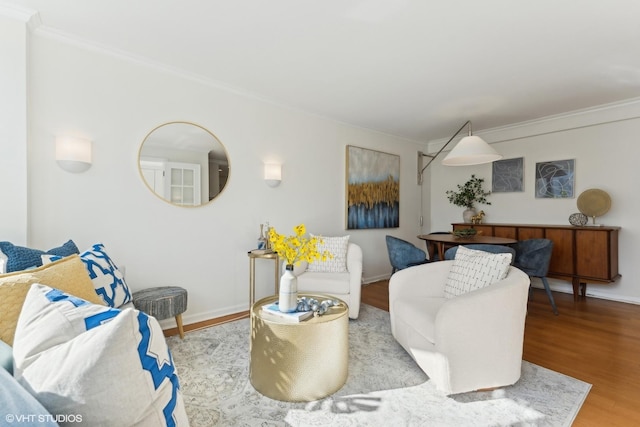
(594, 340)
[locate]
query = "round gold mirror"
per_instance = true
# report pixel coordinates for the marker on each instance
(183, 164)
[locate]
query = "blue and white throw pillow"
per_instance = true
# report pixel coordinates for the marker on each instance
(110, 367)
(107, 279)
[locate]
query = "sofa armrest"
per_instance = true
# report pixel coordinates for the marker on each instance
(426, 280)
(490, 319)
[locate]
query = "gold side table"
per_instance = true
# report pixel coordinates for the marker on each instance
(299, 362)
(252, 273)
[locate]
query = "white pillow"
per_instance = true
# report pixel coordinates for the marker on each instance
(108, 366)
(472, 270)
(337, 246)
(107, 279)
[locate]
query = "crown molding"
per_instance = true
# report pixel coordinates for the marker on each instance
(628, 109)
(29, 16)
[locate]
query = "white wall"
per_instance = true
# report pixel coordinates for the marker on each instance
(13, 129)
(603, 143)
(115, 102)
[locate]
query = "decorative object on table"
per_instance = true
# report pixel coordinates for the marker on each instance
(508, 175)
(578, 219)
(555, 179)
(262, 240)
(318, 308)
(468, 195)
(477, 219)
(294, 249)
(465, 233)
(373, 189)
(470, 150)
(273, 311)
(593, 203)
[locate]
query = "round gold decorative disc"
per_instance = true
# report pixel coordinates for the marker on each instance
(594, 202)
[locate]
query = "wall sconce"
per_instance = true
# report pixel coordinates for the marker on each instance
(272, 174)
(73, 154)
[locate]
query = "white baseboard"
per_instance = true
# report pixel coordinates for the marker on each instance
(203, 316)
(592, 291)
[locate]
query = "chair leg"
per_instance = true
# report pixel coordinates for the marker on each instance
(179, 323)
(550, 295)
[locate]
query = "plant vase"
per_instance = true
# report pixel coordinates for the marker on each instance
(288, 296)
(468, 214)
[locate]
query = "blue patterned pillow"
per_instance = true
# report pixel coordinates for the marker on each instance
(21, 258)
(112, 367)
(107, 279)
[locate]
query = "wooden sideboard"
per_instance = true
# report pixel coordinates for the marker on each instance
(580, 254)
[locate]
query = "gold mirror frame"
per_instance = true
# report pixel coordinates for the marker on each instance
(184, 164)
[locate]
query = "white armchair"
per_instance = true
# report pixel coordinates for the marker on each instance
(468, 342)
(345, 286)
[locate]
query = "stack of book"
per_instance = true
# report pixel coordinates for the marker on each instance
(272, 311)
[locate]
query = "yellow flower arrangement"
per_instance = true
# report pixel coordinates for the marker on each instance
(297, 248)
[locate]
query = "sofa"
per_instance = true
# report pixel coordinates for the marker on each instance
(465, 340)
(343, 280)
(112, 364)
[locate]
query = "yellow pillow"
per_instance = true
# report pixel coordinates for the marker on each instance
(68, 274)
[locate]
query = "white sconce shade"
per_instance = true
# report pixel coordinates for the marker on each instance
(272, 174)
(73, 154)
(471, 150)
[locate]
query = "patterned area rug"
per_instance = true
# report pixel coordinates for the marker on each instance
(384, 387)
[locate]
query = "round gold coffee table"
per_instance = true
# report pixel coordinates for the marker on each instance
(299, 362)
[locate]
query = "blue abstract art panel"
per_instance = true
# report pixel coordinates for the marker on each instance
(508, 175)
(373, 189)
(555, 180)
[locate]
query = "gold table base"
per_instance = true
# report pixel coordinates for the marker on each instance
(299, 362)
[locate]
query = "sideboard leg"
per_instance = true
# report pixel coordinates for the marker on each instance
(576, 288)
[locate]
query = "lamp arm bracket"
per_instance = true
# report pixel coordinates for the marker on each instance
(433, 157)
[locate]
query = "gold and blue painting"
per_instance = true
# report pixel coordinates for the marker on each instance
(373, 189)
(555, 179)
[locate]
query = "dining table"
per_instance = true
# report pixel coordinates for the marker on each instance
(438, 241)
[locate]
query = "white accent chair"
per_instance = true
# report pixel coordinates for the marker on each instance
(345, 286)
(469, 342)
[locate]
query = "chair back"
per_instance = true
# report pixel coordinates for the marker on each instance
(533, 256)
(402, 253)
(494, 249)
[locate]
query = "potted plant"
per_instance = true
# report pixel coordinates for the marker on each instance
(468, 195)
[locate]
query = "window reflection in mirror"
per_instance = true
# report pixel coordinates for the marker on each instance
(183, 163)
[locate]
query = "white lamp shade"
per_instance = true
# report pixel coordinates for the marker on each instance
(471, 150)
(272, 174)
(73, 154)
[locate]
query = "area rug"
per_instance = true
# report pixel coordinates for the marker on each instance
(384, 387)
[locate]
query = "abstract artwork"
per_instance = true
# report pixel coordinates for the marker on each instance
(508, 175)
(373, 189)
(555, 180)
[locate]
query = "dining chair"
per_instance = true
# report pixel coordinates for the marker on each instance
(533, 257)
(403, 254)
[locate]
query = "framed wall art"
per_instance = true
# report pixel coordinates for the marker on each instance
(555, 179)
(373, 189)
(508, 175)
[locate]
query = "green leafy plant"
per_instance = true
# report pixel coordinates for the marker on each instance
(469, 193)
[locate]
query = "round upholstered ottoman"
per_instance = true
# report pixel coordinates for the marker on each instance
(162, 303)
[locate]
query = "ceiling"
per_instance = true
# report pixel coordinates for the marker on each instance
(413, 68)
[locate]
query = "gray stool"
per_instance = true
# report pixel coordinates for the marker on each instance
(162, 303)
